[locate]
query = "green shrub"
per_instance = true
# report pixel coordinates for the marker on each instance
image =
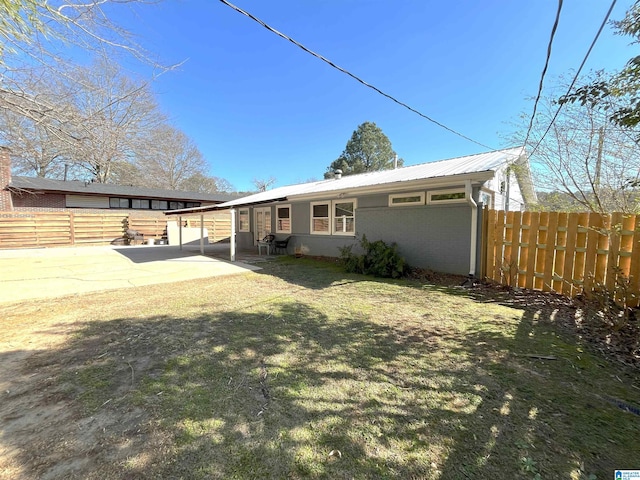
(379, 259)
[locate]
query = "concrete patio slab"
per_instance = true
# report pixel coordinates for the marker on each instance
(53, 272)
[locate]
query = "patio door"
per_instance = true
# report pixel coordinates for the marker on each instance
(262, 222)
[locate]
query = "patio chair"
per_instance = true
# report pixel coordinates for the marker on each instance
(281, 245)
(266, 243)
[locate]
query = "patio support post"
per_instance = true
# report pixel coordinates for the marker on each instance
(232, 248)
(180, 230)
(201, 234)
(474, 227)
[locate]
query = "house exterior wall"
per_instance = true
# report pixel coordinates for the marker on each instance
(506, 182)
(38, 202)
(433, 237)
(437, 237)
(6, 202)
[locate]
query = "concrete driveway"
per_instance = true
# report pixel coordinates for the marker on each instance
(54, 272)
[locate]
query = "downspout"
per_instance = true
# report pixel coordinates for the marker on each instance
(474, 228)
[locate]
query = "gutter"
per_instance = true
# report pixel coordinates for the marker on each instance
(474, 228)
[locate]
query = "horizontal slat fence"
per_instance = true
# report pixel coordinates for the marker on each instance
(54, 229)
(155, 228)
(568, 253)
(218, 226)
(57, 229)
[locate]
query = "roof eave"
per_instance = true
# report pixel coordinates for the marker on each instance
(433, 182)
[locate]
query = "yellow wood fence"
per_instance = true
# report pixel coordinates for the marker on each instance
(66, 228)
(568, 253)
(54, 229)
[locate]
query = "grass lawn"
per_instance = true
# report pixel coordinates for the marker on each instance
(302, 371)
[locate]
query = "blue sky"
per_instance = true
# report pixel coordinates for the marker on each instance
(258, 106)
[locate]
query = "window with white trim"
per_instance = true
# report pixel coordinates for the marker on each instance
(320, 218)
(283, 219)
(337, 217)
(404, 199)
(486, 198)
(243, 220)
(344, 217)
(446, 196)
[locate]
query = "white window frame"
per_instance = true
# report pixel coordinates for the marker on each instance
(431, 194)
(330, 225)
(333, 217)
(393, 196)
(491, 196)
(243, 211)
(331, 205)
(283, 230)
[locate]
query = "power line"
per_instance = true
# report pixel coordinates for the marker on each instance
(575, 78)
(282, 35)
(544, 71)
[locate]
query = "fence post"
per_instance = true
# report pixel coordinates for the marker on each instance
(72, 228)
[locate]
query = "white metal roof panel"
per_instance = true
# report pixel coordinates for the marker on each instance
(483, 162)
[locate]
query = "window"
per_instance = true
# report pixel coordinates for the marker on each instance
(243, 220)
(403, 199)
(333, 218)
(176, 205)
(139, 203)
(485, 198)
(446, 196)
(283, 219)
(159, 205)
(344, 219)
(320, 218)
(119, 203)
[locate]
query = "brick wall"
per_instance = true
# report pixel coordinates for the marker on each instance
(6, 204)
(43, 202)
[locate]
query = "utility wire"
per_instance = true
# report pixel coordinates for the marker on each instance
(544, 71)
(282, 35)
(575, 78)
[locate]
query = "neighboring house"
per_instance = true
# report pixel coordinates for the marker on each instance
(429, 210)
(43, 194)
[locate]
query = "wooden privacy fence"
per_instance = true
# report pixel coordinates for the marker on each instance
(218, 225)
(568, 253)
(57, 229)
(54, 229)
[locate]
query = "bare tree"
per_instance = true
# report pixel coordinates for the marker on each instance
(33, 38)
(113, 116)
(584, 158)
(34, 149)
(205, 184)
(263, 185)
(169, 158)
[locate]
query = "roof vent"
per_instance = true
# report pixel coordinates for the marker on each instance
(337, 174)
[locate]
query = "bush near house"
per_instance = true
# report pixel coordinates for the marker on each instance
(378, 259)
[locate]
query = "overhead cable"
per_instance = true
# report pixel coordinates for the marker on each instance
(575, 77)
(544, 71)
(282, 35)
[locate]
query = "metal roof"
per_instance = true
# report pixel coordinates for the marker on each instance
(483, 162)
(82, 188)
(467, 165)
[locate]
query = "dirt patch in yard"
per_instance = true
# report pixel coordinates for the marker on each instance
(47, 432)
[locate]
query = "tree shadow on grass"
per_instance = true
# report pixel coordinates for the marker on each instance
(272, 392)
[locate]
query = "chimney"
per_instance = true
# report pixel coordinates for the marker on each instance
(395, 161)
(6, 204)
(337, 174)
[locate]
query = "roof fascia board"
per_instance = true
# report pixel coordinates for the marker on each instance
(459, 180)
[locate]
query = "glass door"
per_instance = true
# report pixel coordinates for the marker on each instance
(262, 222)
